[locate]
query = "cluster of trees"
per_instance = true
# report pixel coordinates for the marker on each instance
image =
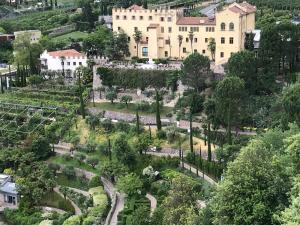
(102, 42)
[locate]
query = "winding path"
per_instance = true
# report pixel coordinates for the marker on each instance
(188, 167)
(153, 202)
(77, 209)
(118, 200)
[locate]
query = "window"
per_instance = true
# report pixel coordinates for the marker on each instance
(206, 29)
(170, 29)
(195, 51)
(195, 40)
(222, 54)
(169, 19)
(119, 28)
(222, 40)
(128, 39)
(203, 51)
(184, 50)
(231, 26)
(147, 39)
(179, 28)
(68, 63)
(125, 17)
(162, 29)
(133, 17)
(150, 17)
(74, 63)
(206, 40)
(187, 40)
(167, 41)
(223, 26)
(117, 17)
(141, 17)
(135, 28)
(231, 40)
(145, 51)
(212, 29)
(80, 63)
(162, 19)
(166, 54)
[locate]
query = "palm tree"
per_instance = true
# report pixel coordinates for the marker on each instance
(62, 60)
(170, 46)
(137, 38)
(191, 37)
(180, 39)
(212, 48)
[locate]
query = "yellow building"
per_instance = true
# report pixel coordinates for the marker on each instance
(161, 29)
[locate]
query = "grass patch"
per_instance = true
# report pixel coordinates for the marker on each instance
(78, 183)
(53, 199)
(76, 35)
(74, 163)
(121, 107)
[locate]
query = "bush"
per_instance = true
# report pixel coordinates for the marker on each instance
(133, 78)
(161, 134)
(69, 171)
(17, 217)
(95, 182)
(143, 106)
(73, 220)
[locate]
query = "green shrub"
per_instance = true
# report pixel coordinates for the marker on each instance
(73, 220)
(161, 134)
(95, 182)
(17, 217)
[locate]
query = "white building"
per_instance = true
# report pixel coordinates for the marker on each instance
(8, 192)
(65, 60)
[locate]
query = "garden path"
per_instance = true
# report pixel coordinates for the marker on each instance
(85, 193)
(118, 202)
(153, 202)
(77, 209)
(188, 167)
(52, 209)
(112, 217)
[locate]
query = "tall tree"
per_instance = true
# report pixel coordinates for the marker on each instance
(158, 121)
(243, 64)
(291, 102)
(180, 39)
(228, 97)
(195, 71)
(191, 38)
(212, 48)
(137, 38)
(242, 197)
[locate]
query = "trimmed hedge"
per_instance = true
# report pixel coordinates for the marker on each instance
(133, 78)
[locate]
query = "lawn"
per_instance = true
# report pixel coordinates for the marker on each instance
(121, 107)
(76, 35)
(53, 199)
(60, 160)
(78, 183)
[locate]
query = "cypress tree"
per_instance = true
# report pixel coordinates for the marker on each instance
(158, 121)
(191, 133)
(137, 122)
(80, 96)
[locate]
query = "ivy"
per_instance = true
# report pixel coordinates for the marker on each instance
(133, 78)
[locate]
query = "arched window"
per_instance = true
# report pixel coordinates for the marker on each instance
(223, 26)
(231, 26)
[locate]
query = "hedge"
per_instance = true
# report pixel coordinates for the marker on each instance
(133, 78)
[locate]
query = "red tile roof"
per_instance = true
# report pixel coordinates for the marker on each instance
(195, 21)
(66, 53)
(135, 7)
(242, 8)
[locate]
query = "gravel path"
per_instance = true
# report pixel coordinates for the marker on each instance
(77, 209)
(153, 202)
